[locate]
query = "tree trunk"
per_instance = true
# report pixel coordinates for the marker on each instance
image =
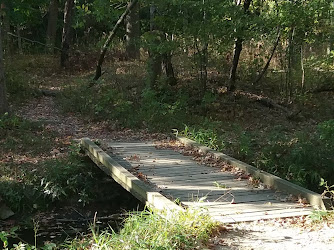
(159, 62)
(168, 69)
(154, 66)
(236, 57)
(4, 107)
(202, 52)
(152, 16)
(293, 62)
(264, 70)
(331, 38)
(204, 69)
(19, 39)
(112, 34)
(67, 32)
(52, 26)
(203, 55)
(132, 33)
(7, 41)
(155, 57)
(167, 65)
(302, 68)
(237, 52)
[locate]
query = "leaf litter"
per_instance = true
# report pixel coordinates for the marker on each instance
(288, 233)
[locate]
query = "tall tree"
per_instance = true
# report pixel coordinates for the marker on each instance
(132, 33)
(155, 61)
(237, 52)
(160, 55)
(52, 25)
(4, 107)
(266, 66)
(8, 43)
(67, 32)
(111, 36)
(167, 66)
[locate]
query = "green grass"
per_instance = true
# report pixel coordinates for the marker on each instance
(190, 229)
(206, 136)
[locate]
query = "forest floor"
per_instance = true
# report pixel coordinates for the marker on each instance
(290, 233)
(293, 233)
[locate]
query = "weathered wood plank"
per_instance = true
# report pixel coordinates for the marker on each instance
(230, 184)
(246, 207)
(176, 172)
(269, 179)
(158, 154)
(259, 215)
(131, 183)
(178, 176)
(223, 197)
(213, 192)
(213, 177)
(253, 211)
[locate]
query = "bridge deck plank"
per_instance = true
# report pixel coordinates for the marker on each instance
(226, 198)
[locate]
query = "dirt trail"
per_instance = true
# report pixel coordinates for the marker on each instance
(283, 234)
(45, 109)
(296, 233)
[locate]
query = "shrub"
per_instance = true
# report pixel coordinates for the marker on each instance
(303, 159)
(188, 229)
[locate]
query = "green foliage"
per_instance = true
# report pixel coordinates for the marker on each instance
(188, 229)
(19, 89)
(23, 75)
(208, 98)
(32, 183)
(20, 138)
(8, 122)
(304, 159)
(4, 236)
(243, 144)
(100, 103)
(208, 137)
(25, 12)
(19, 135)
(37, 186)
(67, 178)
(318, 216)
(162, 111)
(328, 191)
(157, 110)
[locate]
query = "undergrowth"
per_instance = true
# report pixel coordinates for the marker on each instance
(152, 109)
(208, 137)
(30, 178)
(304, 158)
(25, 74)
(19, 136)
(188, 229)
(36, 186)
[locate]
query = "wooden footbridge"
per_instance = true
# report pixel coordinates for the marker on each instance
(165, 179)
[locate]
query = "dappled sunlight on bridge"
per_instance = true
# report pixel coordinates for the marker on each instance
(222, 194)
